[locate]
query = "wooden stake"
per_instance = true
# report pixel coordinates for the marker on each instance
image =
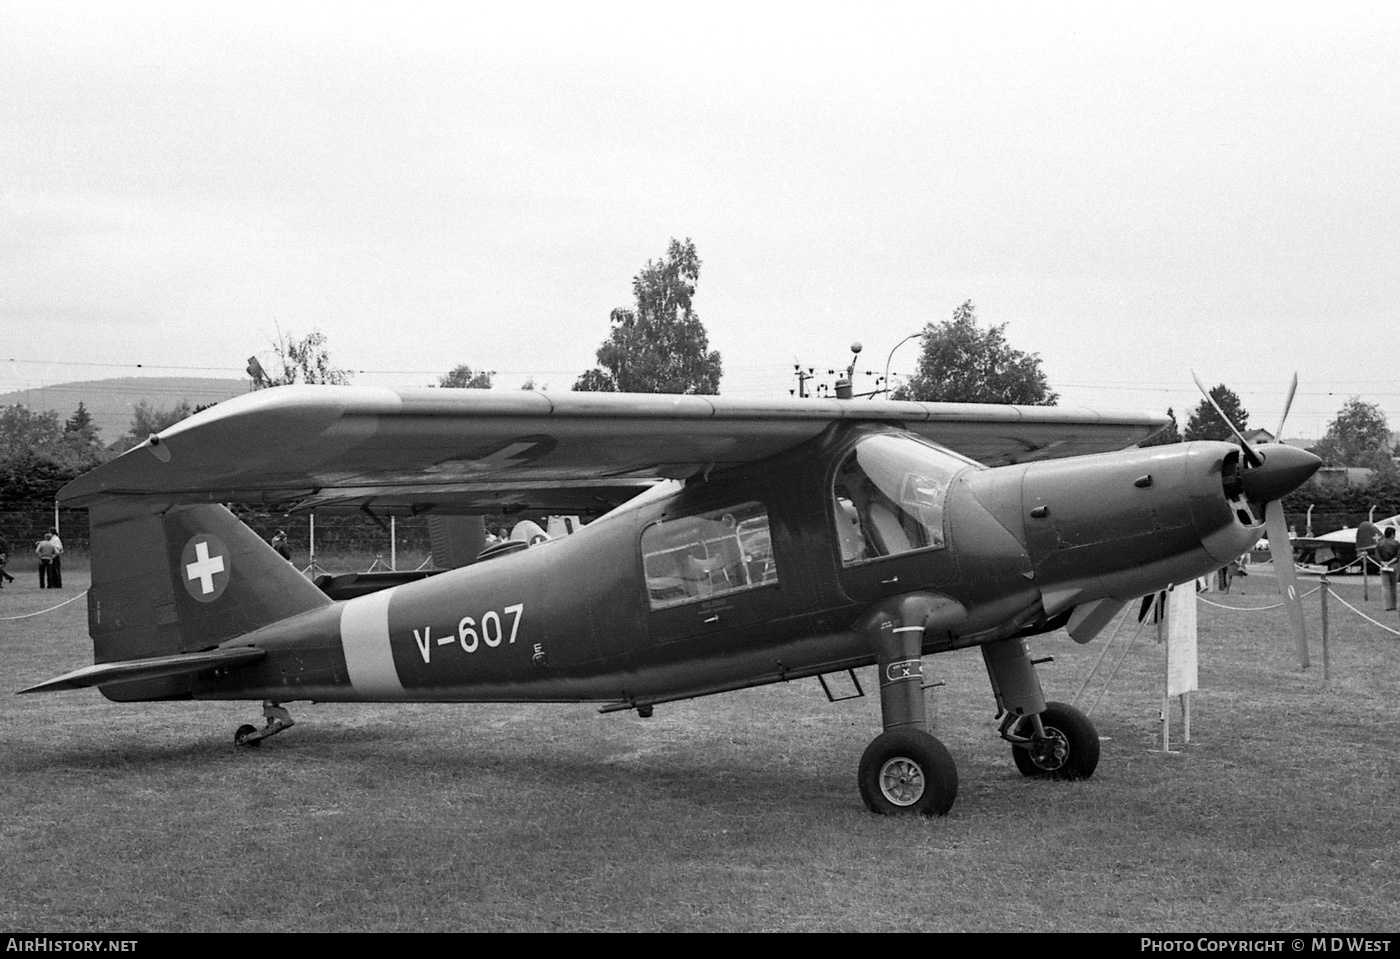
(1326, 672)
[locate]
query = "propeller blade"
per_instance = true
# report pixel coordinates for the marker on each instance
(1281, 550)
(1249, 453)
(1287, 405)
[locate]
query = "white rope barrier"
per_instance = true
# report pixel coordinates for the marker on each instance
(1253, 609)
(1393, 632)
(1330, 591)
(6, 619)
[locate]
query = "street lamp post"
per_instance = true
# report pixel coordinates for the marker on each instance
(891, 357)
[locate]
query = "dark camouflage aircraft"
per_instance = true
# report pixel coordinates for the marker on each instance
(739, 543)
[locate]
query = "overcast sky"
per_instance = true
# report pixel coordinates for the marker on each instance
(1136, 190)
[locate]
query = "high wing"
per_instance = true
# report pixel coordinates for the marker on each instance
(463, 451)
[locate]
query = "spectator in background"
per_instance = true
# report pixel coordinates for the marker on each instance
(279, 543)
(44, 549)
(56, 568)
(1387, 551)
(5, 576)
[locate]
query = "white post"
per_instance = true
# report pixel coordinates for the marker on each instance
(393, 543)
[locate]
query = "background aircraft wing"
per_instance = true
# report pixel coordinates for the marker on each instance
(463, 451)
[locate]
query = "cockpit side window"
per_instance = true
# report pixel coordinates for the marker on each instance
(888, 497)
(709, 554)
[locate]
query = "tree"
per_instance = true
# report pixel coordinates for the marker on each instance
(23, 431)
(1359, 436)
(32, 480)
(961, 363)
(305, 360)
(1169, 434)
(148, 418)
(37, 457)
(462, 378)
(80, 446)
(1205, 423)
(80, 424)
(659, 346)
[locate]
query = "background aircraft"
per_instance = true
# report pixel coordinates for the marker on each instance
(1338, 550)
(742, 544)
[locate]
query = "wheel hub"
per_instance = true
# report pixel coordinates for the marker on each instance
(1052, 752)
(902, 781)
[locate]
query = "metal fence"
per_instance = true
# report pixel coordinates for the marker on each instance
(335, 532)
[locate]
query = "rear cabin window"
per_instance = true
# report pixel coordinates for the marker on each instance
(888, 497)
(710, 554)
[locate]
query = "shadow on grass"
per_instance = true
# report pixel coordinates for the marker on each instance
(383, 755)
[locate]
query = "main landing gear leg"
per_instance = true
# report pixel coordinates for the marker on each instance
(905, 771)
(278, 719)
(1048, 740)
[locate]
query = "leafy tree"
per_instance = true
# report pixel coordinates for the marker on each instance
(37, 456)
(32, 480)
(148, 418)
(596, 381)
(24, 431)
(962, 363)
(1169, 434)
(660, 346)
(1205, 423)
(304, 360)
(462, 378)
(1359, 436)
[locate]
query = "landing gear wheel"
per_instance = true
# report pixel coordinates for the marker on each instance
(906, 772)
(1069, 749)
(240, 736)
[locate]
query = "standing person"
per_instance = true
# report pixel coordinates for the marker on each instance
(1387, 552)
(45, 551)
(5, 576)
(56, 568)
(279, 543)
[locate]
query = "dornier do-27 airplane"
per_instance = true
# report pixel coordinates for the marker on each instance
(740, 544)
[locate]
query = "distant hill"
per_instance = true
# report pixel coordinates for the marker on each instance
(112, 402)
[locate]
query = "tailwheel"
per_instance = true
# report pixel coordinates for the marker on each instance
(278, 719)
(906, 771)
(1059, 743)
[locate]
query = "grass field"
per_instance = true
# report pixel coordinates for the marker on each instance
(735, 812)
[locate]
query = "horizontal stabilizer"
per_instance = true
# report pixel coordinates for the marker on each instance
(151, 668)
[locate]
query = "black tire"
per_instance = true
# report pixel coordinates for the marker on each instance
(1071, 750)
(240, 736)
(907, 772)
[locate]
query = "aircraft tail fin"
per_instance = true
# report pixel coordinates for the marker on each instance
(178, 581)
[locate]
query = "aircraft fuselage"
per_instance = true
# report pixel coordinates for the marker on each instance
(765, 573)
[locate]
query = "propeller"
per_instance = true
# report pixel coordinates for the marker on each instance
(1270, 472)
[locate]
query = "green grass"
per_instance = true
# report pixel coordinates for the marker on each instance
(735, 812)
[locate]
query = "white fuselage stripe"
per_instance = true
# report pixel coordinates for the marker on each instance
(364, 635)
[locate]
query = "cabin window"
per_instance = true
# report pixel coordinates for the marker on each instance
(695, 557)
(888, 497)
